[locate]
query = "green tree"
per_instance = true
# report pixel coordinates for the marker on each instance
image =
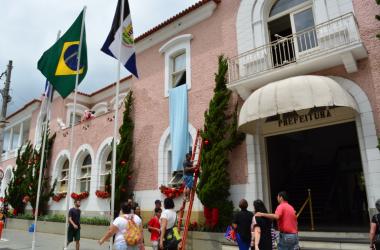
(47, 191)
(24, 182)
(17, 187)
(124, 155)
(220, 137)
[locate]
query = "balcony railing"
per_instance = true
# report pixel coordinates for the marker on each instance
(326, 37)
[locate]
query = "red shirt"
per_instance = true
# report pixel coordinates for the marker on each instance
(287, 222)
(154, 222)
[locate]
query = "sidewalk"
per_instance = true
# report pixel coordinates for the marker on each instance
(15, 240)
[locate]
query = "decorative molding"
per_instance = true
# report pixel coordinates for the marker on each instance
(171, 48)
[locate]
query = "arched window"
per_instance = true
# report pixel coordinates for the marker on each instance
(177, 62)
(291, 30)
(63, 177)
(84, 178)
(174, 177)
(105, 172)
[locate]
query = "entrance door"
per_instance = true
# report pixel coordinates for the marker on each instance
(327, 161)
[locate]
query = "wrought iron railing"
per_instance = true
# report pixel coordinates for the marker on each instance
(325, 37)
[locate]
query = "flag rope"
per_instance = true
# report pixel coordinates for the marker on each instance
(44, 130)
(116, 106)
(71, 160)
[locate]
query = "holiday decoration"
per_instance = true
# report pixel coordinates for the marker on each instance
(88, 115)
(220, 128)
(122, 162)
(102, 194)
(80, 196)
(59, 196)
(172, 192)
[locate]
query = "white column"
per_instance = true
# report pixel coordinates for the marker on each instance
(10, 139)
(20, 135)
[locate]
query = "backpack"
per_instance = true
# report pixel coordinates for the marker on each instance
(133, 234)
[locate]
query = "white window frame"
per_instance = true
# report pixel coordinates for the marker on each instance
(173, 48)
(79, 110)
(296, 45)
(62, 179)
(86, 177)
(10, 128)
(105, 172)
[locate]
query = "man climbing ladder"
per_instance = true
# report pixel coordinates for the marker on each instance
(193, 166)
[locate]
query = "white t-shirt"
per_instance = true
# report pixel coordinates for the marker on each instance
(122, 225)
(171, 217)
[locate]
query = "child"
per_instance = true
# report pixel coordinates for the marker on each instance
(154, 228)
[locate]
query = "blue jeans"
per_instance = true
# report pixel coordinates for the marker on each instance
(120, 246)
(288, 242)
(242, 244)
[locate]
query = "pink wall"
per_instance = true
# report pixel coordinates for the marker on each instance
(211, 38)
(368, 75)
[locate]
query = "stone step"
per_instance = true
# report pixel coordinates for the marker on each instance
(325, 241)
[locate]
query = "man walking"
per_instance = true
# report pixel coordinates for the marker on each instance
(287, 223)
(74, 224)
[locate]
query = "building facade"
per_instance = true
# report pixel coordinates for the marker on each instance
(306, 73)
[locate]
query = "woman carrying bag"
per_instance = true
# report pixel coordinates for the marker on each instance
(169, 238)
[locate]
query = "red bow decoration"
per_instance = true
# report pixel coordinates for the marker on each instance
(172, 192)
(80, 196)
(102, 194)
(59, 196)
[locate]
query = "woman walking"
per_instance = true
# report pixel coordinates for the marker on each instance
(167, 221)
(261, 228)
(120, 227)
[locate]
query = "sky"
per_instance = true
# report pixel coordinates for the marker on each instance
(28, 28)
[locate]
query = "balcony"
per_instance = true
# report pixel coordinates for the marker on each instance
(324, 46)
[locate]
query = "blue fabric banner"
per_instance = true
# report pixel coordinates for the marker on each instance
(178, 125)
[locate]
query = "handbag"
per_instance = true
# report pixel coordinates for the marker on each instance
(230, 234)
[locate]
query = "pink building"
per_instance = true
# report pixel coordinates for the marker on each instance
(306, 73)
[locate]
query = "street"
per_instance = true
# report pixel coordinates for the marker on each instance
(16, 239)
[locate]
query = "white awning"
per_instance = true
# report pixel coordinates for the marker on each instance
(292, 94)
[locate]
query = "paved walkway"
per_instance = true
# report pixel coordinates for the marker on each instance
(15, 240)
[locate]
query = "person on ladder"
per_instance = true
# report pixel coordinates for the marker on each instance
(188, 170)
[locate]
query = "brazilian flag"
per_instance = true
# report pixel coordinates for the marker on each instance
(59, 63)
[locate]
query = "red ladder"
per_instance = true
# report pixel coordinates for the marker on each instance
(196, 154)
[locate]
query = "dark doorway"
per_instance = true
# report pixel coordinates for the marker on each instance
(326, 160)
(282, 47)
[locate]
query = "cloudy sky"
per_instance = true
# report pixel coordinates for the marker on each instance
(28, 28)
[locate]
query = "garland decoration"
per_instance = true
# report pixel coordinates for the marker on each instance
(172, 192)
(102, 194)
(59, 196)
(80, 196)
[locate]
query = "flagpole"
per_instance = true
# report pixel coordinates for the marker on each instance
(71, 165)
(115, 128)
(48, 110)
